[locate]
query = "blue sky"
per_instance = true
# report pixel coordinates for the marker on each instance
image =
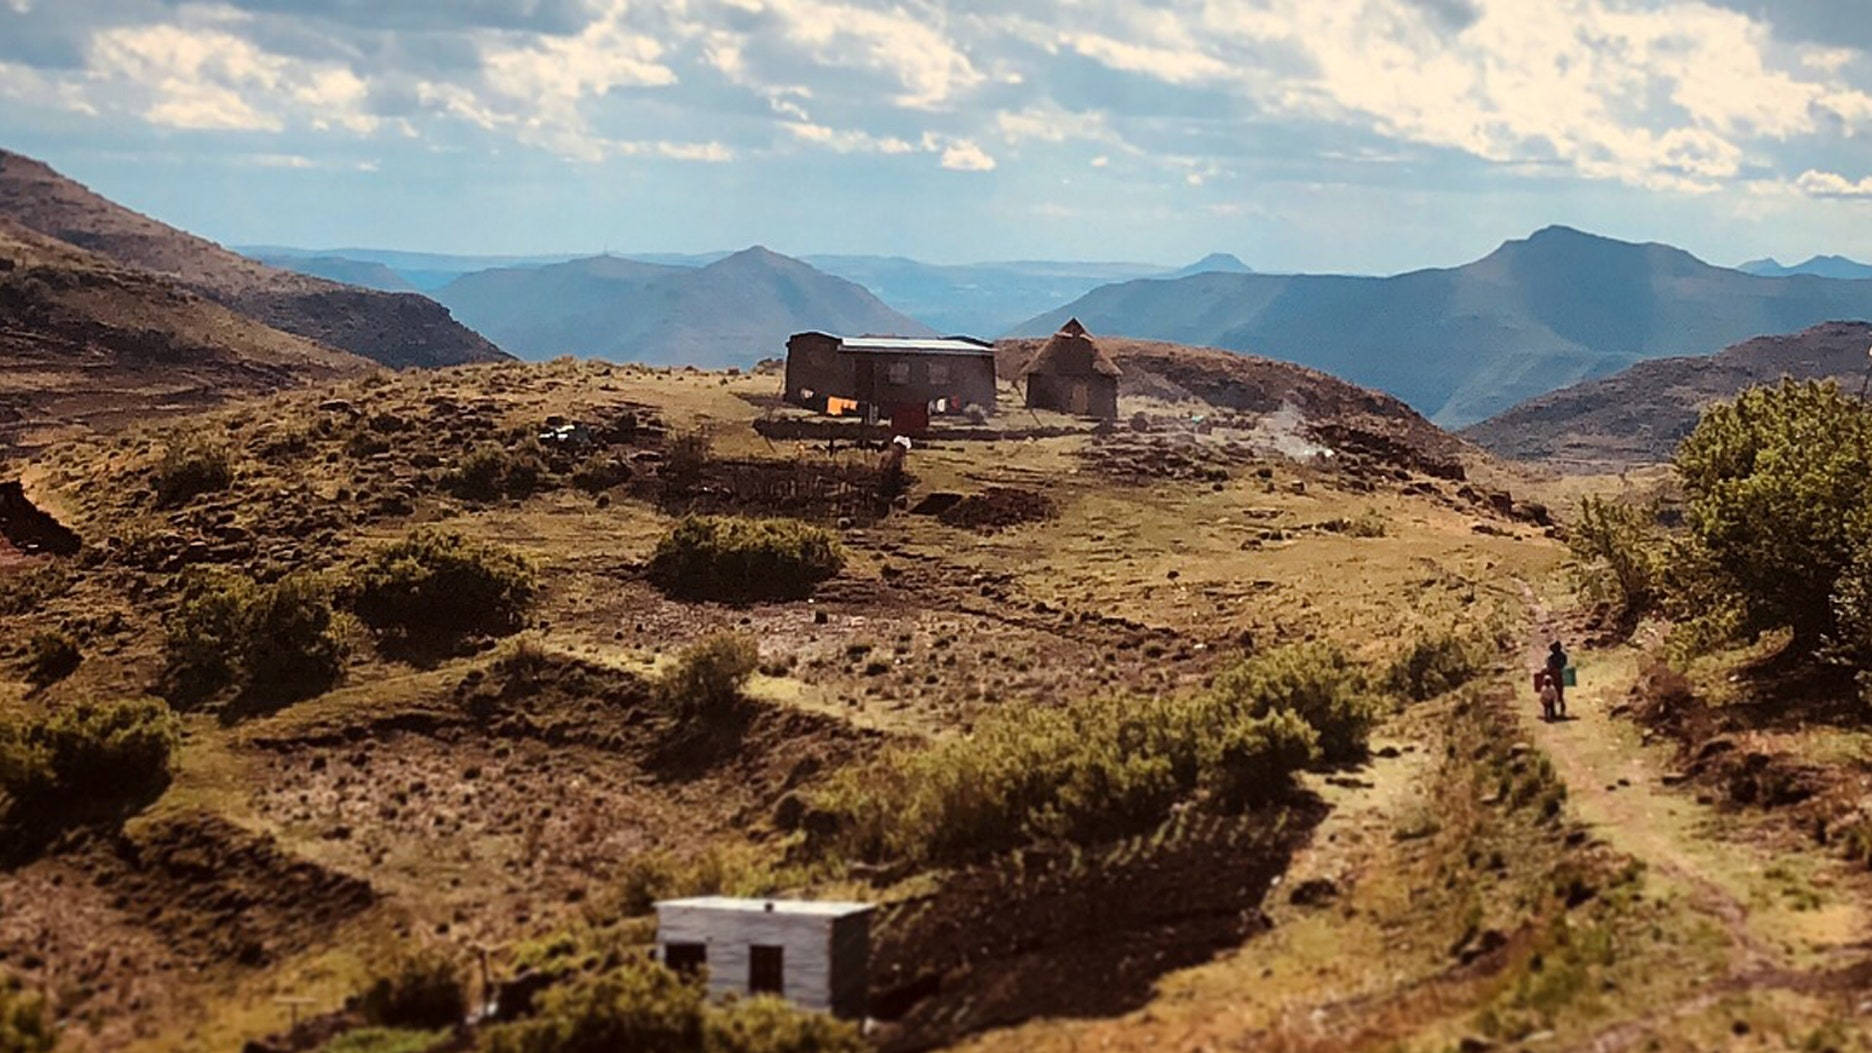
(1338, 135)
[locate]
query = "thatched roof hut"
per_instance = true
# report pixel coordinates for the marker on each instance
(1072, 374)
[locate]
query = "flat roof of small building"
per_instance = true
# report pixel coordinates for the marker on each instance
(916, 345)
(817, 907)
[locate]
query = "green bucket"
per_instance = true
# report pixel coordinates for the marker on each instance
(1569, 677)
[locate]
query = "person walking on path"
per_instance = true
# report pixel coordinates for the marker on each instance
(1556, 673)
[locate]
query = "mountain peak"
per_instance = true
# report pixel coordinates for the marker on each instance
(1215, 262)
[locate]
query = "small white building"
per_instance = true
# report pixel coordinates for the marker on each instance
(814, 954)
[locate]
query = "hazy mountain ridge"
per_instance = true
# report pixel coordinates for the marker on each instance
(1639, 415)
(1817, 266)
(397, 329)
(732, 312)
(1463, 343)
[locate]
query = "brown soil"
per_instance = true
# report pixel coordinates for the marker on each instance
(997, 508)
(1049, 935)
(117, 925)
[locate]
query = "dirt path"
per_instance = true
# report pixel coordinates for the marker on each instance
(1615, 784)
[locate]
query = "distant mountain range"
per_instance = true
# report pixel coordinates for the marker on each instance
(1818, 266)
(1464, 343)
(397, 329)
(1639, 415)
(978, 299)
(732, 312)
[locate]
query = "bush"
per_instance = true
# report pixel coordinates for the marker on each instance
(24, 1027)
(1621, 556)
(1439, 662)
(491, 471)
(385, 1040)
(599, 472)
(51, 656)
(1087, 771)
(731, 558)
(645, 878)
(1777, 485)
(88, 758)
(685, 458)
(769, 1025)
(272, 641)
(1314, 680)
(437, 583)
(422, 990)
(192, 466)
(707, 677)
(643, 1006)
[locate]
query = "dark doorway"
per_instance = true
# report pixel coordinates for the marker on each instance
(766, 970)
(686, 958)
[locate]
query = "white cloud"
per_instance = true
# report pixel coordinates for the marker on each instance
(964, 155)
(847, 141)
(890, 42)
(1832, 184)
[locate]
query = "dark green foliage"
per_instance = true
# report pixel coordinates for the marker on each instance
(87, 758)
(437, 583)
(275, 641)
(599, 472)
(24, 1025)
(191, 466)
(1440, 661)
(707, 677)
(1087, 771)
(1777, 485)
(422, 990)
(492, 471)
(732, 558)
(1318, 682)
(643, 1006)
(51, 656)
(1621, 556)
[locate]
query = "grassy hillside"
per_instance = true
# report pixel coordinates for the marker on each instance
(396, 329)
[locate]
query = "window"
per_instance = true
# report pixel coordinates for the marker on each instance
(939, 372)
(685, 958)
(766, 968)
(899, 373)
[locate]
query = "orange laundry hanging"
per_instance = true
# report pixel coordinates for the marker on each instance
(838, 407)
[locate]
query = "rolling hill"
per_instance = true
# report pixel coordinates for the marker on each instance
(396, 329)
(367, 274)
(732, 312)
(1638, 416)
(1464, 343)
(88, 343)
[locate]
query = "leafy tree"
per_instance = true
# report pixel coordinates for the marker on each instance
(1776, 483)
(1621, 556)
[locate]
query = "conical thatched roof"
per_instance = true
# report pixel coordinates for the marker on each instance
(1071, 352)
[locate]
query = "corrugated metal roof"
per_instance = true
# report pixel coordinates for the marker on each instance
(827, 908)
(931, 345)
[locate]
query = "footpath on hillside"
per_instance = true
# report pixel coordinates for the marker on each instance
(1618, 785)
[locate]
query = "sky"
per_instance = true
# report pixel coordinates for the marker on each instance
(1362, 136)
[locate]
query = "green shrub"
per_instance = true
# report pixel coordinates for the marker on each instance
(88, 757)
(1088, 771)
(51, 656)
(191, 466)
(600, 471)
(1777, 484)
(24, 1026)
(272, 641)
(423, 989)
(385, 1040)
(28, 590)
(640, 1005)
(1318, 682)
(491, 471)
(643, 1006)
(437, 583)
(1621, 556)
(707, 677)
(650, 876)
(685, 459)
(766, 1024)
(1440, 661)
(731, 558)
